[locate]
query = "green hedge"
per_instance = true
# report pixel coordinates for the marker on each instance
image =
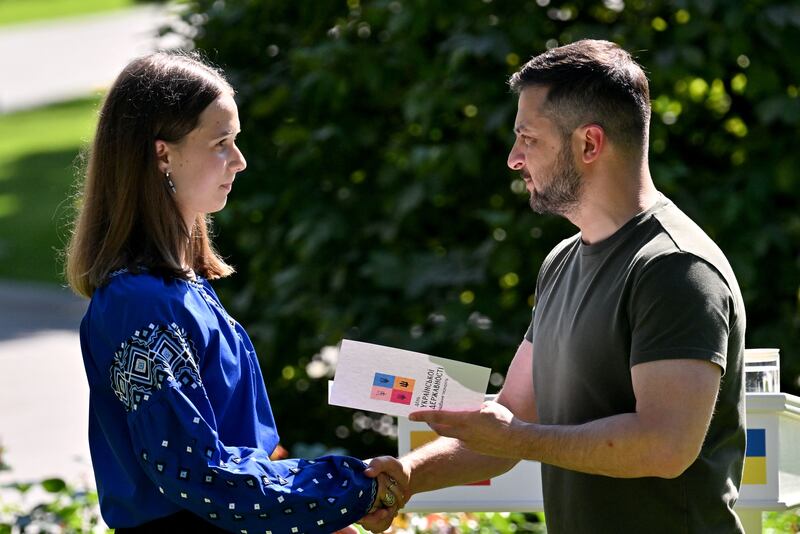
(377, 204)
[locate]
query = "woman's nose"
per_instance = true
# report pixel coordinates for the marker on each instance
(240, 163)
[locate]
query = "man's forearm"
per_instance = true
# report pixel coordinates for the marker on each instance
(446, 462)
(621, 446)
(662, 438)
(674, 403)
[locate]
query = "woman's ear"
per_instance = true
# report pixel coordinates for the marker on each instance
(162, 155)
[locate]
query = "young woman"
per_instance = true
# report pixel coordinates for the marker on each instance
(180, 426)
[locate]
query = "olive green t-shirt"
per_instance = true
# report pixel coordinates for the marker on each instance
(657, 289)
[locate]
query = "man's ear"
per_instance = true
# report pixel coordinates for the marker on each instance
(592, 142)
(162, 155)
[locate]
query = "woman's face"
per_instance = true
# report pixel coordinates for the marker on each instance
(203, 165)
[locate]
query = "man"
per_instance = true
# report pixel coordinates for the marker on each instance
(628, 385)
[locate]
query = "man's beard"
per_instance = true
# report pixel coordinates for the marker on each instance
(560, 194)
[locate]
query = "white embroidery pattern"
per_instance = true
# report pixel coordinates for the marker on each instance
(150, 357)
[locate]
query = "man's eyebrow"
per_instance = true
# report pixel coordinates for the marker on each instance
(519, 128)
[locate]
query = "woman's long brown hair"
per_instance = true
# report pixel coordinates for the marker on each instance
(127, 217)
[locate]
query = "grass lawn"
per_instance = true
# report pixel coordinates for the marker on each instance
(38, 170)
(16, 11)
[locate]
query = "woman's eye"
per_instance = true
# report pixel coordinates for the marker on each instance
(227, 141)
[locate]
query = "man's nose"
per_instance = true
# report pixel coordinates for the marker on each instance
(516, 158)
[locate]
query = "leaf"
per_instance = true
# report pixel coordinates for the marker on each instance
(54, 485)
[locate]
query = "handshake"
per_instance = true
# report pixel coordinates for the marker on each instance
(476, 447)
(394, 490)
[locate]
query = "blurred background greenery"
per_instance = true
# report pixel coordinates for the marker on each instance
(20, 11)
(377, 205)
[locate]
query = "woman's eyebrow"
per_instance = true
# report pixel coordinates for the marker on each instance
(226, 132)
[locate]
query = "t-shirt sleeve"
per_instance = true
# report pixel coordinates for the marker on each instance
(155, 375)
(680, 308)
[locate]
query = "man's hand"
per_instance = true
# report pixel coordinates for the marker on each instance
(490, 431)
(393, 486)
(394, 469)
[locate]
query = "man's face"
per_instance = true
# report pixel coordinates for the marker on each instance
(543, 157)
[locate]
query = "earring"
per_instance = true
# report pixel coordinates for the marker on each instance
(170, 184)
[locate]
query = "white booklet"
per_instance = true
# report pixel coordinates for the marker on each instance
(397, 382)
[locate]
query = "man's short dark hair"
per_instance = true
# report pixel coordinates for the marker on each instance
(592, 82)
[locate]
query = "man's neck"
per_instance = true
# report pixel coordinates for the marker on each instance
(607, 204)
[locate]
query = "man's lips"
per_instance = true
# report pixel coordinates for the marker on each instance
(528, 181)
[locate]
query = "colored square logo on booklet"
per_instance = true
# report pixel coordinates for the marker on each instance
(380, 393)
(383, 381)
(403, 384)
(392, 388)
(401, 397)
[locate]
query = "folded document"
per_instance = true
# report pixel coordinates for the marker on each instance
(397, 382)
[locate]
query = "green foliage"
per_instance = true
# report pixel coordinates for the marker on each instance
(469, 523)
(65, 509)
(781, 522)
(377, 204)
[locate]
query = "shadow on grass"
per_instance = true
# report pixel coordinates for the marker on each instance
(35, 217)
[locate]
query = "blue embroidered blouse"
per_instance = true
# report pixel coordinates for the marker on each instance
(179, 418)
